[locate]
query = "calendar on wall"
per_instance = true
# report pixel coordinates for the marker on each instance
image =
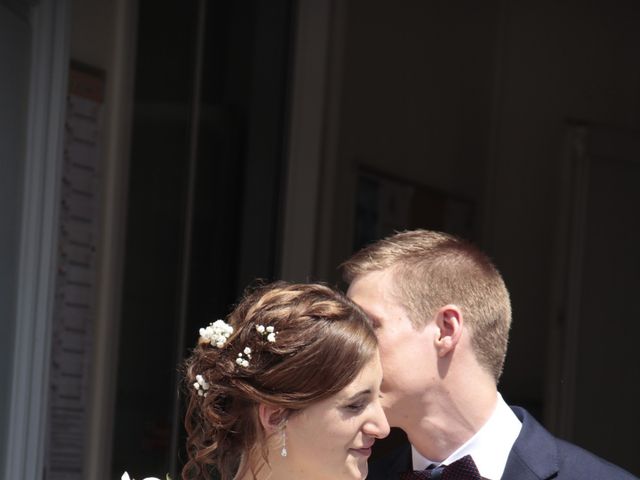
(76, 276)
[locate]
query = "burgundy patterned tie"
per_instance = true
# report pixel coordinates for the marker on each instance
(462, 469)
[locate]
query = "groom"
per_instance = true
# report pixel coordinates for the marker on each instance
(442, 316)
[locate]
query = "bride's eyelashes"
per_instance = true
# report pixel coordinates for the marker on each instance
(357, 403)
(355, 407)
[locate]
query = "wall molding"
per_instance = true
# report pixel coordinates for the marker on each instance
(313, 139)
(49, 20)
(118, 119)
(306, 137)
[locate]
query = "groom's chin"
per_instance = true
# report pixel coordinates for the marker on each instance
(397, 410)
(388, 400)
(389, 413)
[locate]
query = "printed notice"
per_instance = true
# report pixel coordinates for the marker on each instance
(74, 308)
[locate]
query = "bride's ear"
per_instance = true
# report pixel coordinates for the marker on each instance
(271, 418)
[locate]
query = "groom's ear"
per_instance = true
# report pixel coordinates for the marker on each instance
(271, 418)
(449, 322)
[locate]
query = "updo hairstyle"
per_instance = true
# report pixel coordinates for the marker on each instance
(323, 340)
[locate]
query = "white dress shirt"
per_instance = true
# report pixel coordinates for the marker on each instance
(489, 447)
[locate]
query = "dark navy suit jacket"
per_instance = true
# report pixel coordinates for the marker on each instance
(536, 455)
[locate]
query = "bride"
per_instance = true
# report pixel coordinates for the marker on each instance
(288, 389)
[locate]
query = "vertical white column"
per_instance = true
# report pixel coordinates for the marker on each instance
(45, 123)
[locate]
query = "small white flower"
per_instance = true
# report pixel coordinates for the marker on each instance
(125, 476)
(201, 385)
(241, 360)
(269, 330)
(217, 333)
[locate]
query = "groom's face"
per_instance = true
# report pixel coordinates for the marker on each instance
(408, 356)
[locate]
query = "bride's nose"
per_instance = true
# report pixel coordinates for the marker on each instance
(377, 426)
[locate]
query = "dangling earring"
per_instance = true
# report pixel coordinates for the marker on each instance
(283, 452)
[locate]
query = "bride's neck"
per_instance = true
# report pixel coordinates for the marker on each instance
(263, 471)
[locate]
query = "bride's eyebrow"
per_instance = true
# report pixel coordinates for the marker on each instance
(356, 396)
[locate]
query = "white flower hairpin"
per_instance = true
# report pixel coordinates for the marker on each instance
(244, 357)
(201, 386)
(217, 333)
(125, 476)
(269, 331)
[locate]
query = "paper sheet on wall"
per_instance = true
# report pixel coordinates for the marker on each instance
(75, 280)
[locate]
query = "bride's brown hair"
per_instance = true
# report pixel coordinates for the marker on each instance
(323, 341)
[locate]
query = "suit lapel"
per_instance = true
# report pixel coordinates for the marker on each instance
(534, 455)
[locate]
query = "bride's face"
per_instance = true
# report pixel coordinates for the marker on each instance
(332, 439)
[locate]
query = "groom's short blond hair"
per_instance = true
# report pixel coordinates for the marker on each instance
(433, 269)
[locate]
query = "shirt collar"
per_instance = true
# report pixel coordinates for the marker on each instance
(489, 447)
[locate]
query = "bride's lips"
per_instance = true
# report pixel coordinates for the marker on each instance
(365, 452)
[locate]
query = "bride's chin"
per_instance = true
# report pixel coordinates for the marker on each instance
(360, 470)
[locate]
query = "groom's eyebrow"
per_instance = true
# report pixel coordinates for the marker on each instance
(374, 319)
